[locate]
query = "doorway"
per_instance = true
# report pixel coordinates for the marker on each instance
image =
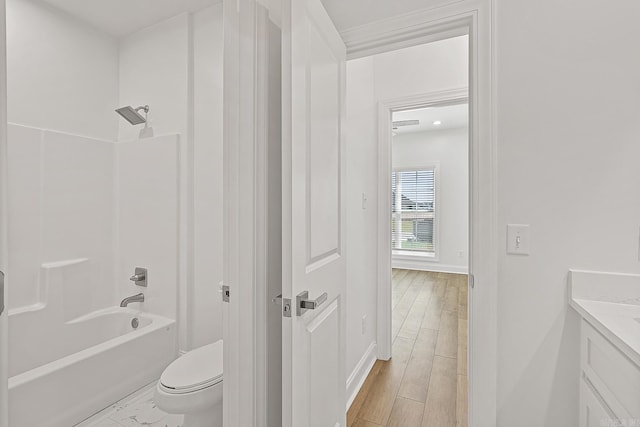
(429, 259)
(423, 201)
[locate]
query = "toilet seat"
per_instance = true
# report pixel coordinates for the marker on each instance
(196, 370)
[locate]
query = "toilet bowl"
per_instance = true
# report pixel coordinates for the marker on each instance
(192, 385)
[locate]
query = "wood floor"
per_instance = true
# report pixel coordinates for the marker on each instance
(425, 382)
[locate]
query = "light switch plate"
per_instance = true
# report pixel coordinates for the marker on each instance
(518, 239)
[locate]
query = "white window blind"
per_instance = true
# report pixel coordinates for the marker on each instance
(413, 202)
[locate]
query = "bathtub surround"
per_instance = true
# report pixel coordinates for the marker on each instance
(81, 224)
(60, 209)
(147, 212)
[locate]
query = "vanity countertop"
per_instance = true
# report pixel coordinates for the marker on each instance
(610, 302)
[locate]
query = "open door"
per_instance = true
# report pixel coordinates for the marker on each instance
(313, 214)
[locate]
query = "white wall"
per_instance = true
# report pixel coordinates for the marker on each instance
(154, 70)
(422, 69)
(206, 308)
(361, 165)
(449, 148)
(568, 149)
(62, 74)
(175, 67)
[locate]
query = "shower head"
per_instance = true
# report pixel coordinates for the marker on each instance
(131, 114)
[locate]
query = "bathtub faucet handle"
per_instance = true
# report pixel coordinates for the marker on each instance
(140, 277)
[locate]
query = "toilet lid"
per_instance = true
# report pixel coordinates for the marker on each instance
(197, 369)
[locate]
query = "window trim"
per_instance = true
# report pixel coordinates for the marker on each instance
(399, 254)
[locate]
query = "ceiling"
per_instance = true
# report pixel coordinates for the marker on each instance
(122, 17)
(451, 117)
(351, 13)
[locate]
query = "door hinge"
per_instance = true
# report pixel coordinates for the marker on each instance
(472, 282)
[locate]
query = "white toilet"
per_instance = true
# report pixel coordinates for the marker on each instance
(192, 385)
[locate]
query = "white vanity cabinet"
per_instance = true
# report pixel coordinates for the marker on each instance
(592, 409)
(609, 307)
(609, 383)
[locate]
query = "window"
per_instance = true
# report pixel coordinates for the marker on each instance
(413, 204)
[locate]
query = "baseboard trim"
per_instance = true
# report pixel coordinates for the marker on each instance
(423, 266)
(359, 374)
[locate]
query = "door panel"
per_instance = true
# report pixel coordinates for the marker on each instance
(313, 216)
(323, 152)
(324, 353)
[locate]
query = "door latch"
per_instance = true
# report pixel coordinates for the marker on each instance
(285, 303)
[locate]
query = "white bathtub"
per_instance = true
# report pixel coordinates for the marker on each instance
(62, 373)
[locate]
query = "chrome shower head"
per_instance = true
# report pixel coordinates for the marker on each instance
(131, 114)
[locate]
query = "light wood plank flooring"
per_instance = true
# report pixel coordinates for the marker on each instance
(425, 382)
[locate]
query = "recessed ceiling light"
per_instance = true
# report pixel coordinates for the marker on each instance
(437, 122)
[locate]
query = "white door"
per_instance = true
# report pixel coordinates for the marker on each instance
(314, 268)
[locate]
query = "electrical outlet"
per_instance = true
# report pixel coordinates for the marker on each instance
(364, 324)
(364, 200)
(460, 254)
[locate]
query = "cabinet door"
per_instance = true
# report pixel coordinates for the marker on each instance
(593, 413)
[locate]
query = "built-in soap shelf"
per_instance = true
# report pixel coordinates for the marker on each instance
(62, 287)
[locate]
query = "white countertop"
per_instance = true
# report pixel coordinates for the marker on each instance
(610, 302)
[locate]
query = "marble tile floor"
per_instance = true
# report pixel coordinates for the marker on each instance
(135, 410)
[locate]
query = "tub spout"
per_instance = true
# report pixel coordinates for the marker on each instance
(135, 298)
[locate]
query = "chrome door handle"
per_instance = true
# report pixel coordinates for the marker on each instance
(303, 303)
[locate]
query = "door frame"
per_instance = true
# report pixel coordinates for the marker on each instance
(474, 18)
(4, 229)
(385, 166)
(245, 134)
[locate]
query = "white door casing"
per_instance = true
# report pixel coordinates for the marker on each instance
(313, 101)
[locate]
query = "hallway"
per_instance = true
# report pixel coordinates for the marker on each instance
(425, 382)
